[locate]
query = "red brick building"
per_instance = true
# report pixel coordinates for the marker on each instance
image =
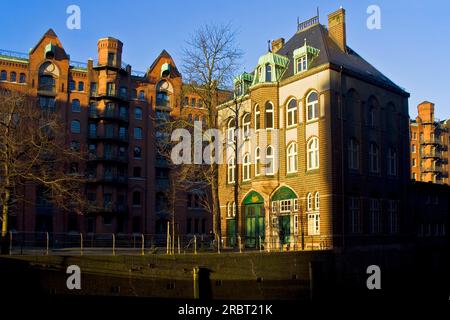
(109, 110)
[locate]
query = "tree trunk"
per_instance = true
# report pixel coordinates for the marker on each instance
(5, 210)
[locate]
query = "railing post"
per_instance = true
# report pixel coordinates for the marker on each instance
(10, 242)
(260, 246)
(218, 244)
(179, 249)
(47, 243)
(81, 244)
(195, 244)
(239, 243)
(113, 244)
(143, 244)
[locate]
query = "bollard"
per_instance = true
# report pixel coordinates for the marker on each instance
(179, 249)
(81, 244)
(10, 242)
(239, 243)
(113, 244)
(260, 244)
(143, 245)
(47, 243)
(195, 244)
(196, 271)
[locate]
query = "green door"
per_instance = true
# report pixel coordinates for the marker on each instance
(284, 229)
(254, 224)
(231, 232)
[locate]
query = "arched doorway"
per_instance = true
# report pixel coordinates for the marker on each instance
(254, 215)
(284, 203)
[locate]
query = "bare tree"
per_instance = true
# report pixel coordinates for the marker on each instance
(210, 59)
(33, 150)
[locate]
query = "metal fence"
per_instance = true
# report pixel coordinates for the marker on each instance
(140, 244)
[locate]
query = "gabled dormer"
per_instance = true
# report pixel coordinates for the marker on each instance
(270, 68)
(303, 57)
(242, 83)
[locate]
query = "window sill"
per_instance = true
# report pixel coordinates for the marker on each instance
(312, 171)
(292, 126)
(292, 174)
(312, 120)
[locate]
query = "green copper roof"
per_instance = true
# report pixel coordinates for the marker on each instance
(244, 77)
(49, 48)
(165, 67)
(305, 49)
(284, 193)
(252, 198)
(274, 59)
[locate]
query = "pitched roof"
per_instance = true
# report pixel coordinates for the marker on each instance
(165, 54)
(317, 37)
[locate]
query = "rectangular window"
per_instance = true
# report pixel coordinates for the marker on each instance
(274, 206)
(295, 224)
(80, 86)
(285, 205)
(301, 64)
(137, 133)
(313, 224)
(93, 89)
(354, 216)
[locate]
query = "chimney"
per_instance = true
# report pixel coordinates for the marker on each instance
(426, 111)
(336, 28)
(277, 44)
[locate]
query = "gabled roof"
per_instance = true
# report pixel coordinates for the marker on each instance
(50, 33)
(165, 54)
(317, 37)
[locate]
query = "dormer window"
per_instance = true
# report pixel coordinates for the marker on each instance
(301, 64)
(268, 73)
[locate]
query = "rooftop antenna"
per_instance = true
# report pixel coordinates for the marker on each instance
(298, 22)
(317, 10)
(268, 46)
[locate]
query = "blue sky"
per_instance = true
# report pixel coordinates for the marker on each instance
(411, 48)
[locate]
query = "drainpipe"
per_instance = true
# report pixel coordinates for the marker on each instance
(342, 156)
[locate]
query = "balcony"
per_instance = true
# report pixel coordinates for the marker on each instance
(108, 178)
(436, 154)
(108, 115)
(433, 141)
(113, 208)
(108, 136)
(108, 157)
(109, 94)
(432, 169)
(48, 90)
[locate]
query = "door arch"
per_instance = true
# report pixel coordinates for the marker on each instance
(254, 217)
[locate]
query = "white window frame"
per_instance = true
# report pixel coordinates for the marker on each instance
(355, 216)
(271, 111)
(246, 167)
(313, 153)
(246, 126)
(257, 161)
(317, 201)
(285, 206)
(270, 165)
(231, 166)
(291, 113)
(257, 118)
(393, 216)
(309, 201)
(303, 64)
(375, 216)
(353, 154)
(392, 162)
(295, 204)
(231, 136)
(314, 105)
(313, 224)
(274, 207)
(295, 224)
(291, 165)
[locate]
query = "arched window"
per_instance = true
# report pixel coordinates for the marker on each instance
(257, 118)
(246, 126)
(246, 167)
(371, 117)
(316, 201)
(313, 153)
(75, 126)
(312, 106)
(353, 154)
(22, 78)
(46, 83)
(76, 105)
(138, 113)
(268, 73)
(291, 113)
(270, 165)
(269, 115)
(231, 137)
(309, 201)
(292, 158)
(374, 158)
(257, 161)
(12, 77)
(3, 75)
(80, 86)
(230, 170)
(392, 162)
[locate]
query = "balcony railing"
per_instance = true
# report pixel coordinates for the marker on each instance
(14, 55)
(108, 157)
(432, 169)
(108, 136)
(435, 141)
(108, 114)
(47, 89)
(432, 154)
